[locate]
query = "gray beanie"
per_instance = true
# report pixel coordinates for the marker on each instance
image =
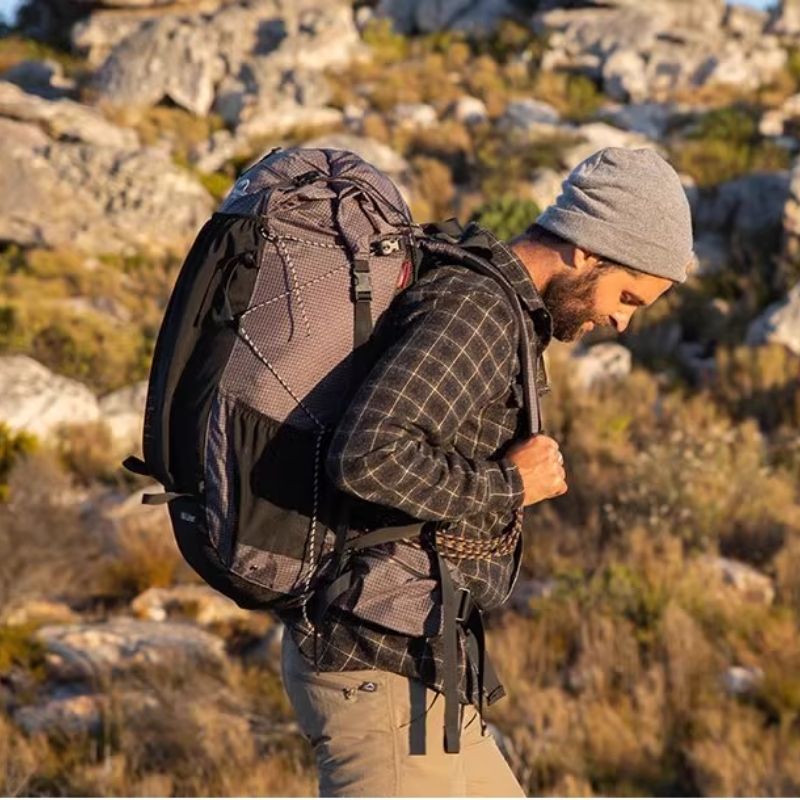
(629, 207)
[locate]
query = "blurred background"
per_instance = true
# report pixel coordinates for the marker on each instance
(651, 646)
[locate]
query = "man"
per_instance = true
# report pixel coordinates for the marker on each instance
(436, 434)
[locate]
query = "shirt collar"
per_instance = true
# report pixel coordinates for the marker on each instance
(505, 259)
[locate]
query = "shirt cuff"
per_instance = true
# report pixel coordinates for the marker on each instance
(511, 494)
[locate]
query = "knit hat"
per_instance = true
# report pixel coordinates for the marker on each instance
(629, 207)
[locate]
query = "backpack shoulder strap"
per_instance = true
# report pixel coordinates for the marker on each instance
(475, 253)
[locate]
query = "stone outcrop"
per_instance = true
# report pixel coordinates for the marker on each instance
(654, 50)
(423, 16)
(123, 412)
(257, 63)
(69, 177)
(196, 602)
(86, 652)
(779, 323)
(34, 399)
(603, 362)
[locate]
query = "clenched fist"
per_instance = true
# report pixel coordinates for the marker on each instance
(542, 468)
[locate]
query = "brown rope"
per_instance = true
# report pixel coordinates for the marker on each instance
(457, 547)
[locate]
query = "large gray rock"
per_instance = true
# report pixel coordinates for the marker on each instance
(196, 602)
(70, 178)
(244, 60)
(34, 399)
(648, 119)
(779, 323)
(603, 362)
(785, 19)
(530, 117)
(44, 78)
(739, 579)
(423, 16)
(113, 648)
(469, 110)
(594, 136)
(652, 51)
(63, 119)
(123, 412)
(748, 205)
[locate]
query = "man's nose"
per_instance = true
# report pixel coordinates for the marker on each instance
(620, 321)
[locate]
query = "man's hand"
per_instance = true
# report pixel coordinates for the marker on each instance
(541, 466)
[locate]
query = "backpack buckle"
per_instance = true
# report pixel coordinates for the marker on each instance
(362, 286)
(362, 282)
(464, 605)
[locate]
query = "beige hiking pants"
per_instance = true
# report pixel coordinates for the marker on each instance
(372, 736)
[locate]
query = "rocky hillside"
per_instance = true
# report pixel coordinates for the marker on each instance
(652, 645)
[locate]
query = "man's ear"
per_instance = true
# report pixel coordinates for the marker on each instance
(583, 260)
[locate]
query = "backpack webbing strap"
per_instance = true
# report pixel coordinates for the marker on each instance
(362, 299)
(163, 497)
(137, 466)
(459, 609)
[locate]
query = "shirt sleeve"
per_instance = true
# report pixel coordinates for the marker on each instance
(393, 447)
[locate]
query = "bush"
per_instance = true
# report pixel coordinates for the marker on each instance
(507, 216)
(725, 144)
(13, 446)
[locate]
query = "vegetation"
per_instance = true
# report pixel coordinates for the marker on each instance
(725, 144)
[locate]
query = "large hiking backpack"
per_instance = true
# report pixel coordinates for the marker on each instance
(265, 336)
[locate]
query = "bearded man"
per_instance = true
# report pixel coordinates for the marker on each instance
(436, 433)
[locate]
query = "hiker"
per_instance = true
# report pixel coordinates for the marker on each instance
(435, 434)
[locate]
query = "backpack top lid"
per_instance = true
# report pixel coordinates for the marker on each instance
(287, 178)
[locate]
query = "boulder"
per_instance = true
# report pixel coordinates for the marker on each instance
(712, 251)
(740, 579)
(648, 119)
(243, 60)
(196, 602)
(420, 16)
(595, 136)
(656, 50)
(469, 110)
(414, 115)
(530, 117)
(624, 76)
(544, 186)
(37, 611)
(779, 323)
(64, 120)
(34, 399)
(749, 205)
(74, 714)
(791, 215)
(43, 78)
(744, 21)
(113, 648)
(603, 362)
(101, 192)
(123, 412)
(739, 681)
(785, 19)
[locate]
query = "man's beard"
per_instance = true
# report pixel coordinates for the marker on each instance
(570, 301)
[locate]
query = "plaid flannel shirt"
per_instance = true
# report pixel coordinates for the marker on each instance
(425, 434)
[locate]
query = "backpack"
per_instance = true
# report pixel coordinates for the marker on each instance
(267, 333)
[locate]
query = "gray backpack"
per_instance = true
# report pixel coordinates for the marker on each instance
(267, 333)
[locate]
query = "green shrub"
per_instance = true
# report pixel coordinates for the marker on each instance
(507, 216)
(724, 145)
(12, 447)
